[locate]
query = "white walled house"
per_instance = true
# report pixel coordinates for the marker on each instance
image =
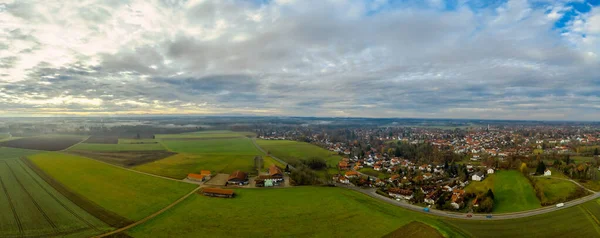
(477, 177)
(490, 171)
(547, 172)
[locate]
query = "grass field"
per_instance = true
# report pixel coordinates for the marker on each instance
(128, 194)
(32, 208)
(124, 158)
(294, 150)
(216, 155)
(44, 142)
(292, 212)
(415, 229)
(512, 191)
(554, 190)
(206, 135)
(374, 173)
(117, 147)
(343, 213)
(581, 159)
(138, 141)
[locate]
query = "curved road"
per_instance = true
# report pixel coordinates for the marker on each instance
(372, 193)
(504, 216)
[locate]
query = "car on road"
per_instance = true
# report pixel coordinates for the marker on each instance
(560, 205)
(488, 216)
(426, 209)
(469, 215)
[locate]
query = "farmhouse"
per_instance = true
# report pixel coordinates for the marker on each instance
(238, 177)
(477, 177)
(275, 173)
(197, 177)
(547, 172)
(218, 192)
(490, 171)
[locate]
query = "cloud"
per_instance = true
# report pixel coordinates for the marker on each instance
(469, 59)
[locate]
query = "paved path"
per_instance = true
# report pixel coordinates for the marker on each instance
(275, 158)
(372, 193)
(149, 217)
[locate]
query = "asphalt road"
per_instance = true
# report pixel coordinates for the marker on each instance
(372, 193)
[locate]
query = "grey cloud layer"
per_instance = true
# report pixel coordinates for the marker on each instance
(302, 58)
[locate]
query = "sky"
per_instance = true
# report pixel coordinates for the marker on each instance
(482, 59)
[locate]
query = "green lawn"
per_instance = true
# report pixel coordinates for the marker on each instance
(128, 194)
(292, 212)
(294, 150)
(339, 212)
(374, 173)
(554, 190)
(206, 134)
(581, 159)
(216, 155)
(117, 147)
(138, 141)
(512, 191)
(40, 209)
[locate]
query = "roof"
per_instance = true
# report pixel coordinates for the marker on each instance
(274, 170)
(207, 172)
(196, 176)
(238, 175)
(350, 173)
(218, 191)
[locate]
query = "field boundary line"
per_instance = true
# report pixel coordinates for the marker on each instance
(151, 216)
(32, 199)
(272, 156)
(58, 201)
(76, 144)
(12, 207)
(591, 216)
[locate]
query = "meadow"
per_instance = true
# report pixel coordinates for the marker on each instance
(374, 173)
(512, 191)
(290, 151)
(555, 190)
(32, 208)
(126, 193)
(216, 155)
(117, 147)
(337, 212)
(290, 212)
(44, 142)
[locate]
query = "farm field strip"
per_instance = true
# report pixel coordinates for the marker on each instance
(37, 209)
(46, 142)
(117, 147)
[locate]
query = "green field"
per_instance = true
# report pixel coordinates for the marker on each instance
(216, 155)
(294, 150)
(117, 147)
(554, 190)
(138, 141)
(291, 212)
(374, 173)
(512, 191)
(207, 135)
(32, 208)
(339, 212)
(126, 193)
(581, 159)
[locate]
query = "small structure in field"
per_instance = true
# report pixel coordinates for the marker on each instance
(547, 172)
(477, 177)
(203, 176)
(490, 171)
(218, 192)
(238, 178)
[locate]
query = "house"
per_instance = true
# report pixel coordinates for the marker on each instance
(377, 167)
(475, 202)
(394, 177)
(343, 165)
(547, 172)
(351, 174)
(427, 175)
(432, 197)
(275, 173)
(197, 177)
(490, 171)
(238, 177)
(400, 193)
(218, 192)
(477, 177)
